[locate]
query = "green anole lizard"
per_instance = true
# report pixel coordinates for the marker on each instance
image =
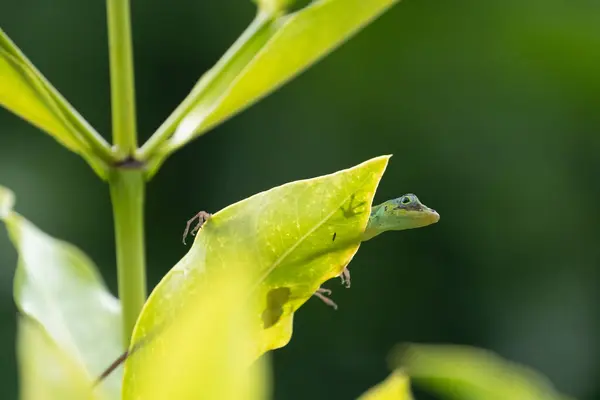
(405, 212)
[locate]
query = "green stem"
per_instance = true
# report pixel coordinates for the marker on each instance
(127, 189)
(127, 185)
(121, 78)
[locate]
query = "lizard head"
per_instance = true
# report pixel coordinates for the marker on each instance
(405, 212)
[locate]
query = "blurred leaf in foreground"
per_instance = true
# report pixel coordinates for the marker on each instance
(60, 290)
(282, 240)
(395, 387)
(468, 373)
(46, 371)
(205, 353)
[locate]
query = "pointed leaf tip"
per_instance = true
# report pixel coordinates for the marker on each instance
(394, 387)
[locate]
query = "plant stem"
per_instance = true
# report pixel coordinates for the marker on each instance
(127, 185)
(127, 189)
(121, 78)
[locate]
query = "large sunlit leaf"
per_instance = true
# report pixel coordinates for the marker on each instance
(25, 92)
(395, 387)
(467, 373)
(287, 240)
(59, 288)
(273, 50)
(205, 353)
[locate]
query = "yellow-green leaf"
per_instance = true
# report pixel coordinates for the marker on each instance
(274, 49)
(25, 92)
(299, 40)
(58, 287)
(467, 373)
(283, 239)
(395, 387)
(206, 351)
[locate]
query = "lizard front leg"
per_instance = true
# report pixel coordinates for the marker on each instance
(202, 216)
(345, 277)
(322, 294)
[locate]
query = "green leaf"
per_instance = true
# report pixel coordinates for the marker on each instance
(273, 50)
(206, 352)
(282, 239)
(59, 288)
(468, 373)
(46, 371)
(25, 92)
(395, 387)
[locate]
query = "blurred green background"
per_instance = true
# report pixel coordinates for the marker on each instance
(491, 109)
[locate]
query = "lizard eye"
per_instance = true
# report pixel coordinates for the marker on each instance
(405, 200)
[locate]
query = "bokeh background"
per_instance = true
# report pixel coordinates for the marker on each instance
(491, 109)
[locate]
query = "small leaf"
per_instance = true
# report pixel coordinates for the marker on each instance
(467, 373)
(48, 372)
(274, 49)
(59, 288)
(206, 352)
(395, 387)
(299, 40)
(281, 239)
(25, 92)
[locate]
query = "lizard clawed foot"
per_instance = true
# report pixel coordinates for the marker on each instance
(322, 294)
(202, 216)
(345, 277)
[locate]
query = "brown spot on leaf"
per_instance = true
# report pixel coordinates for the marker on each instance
(276, 299)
